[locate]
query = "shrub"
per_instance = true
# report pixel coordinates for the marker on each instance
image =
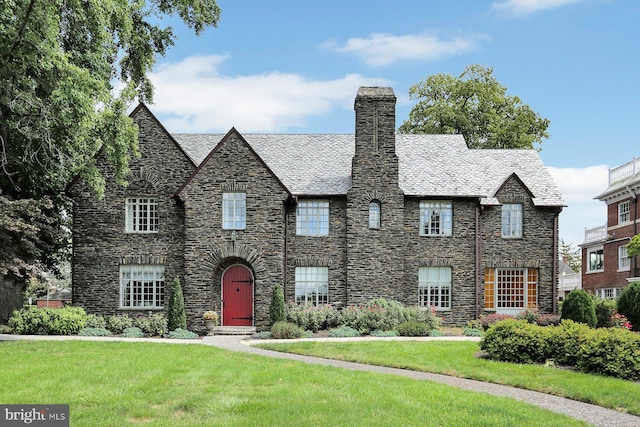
(620, 321)
(277, 309)
(96, 321)
(286, 330)
(158, 325)
(436, 333)
(605, 309)
(119, 323)
(516, 341)
(629, 304)
(261, 335)
(53, 321)
(91, 331)
(613, 352)
(579, 307)
(548, 320)
(490, 319)
(182, 334)
(176, 316)
(344, 332)
(312, 318)
(377, 333)
(531, 315)
(5, 329)
(472, 332)
(132, 332)
(565, 341)
(382, 314)
(413, 329)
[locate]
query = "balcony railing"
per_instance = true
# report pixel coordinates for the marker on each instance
(624, 171)
(595, 234)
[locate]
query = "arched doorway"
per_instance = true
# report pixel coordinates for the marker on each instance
(237, 296)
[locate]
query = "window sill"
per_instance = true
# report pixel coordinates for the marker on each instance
(624, 270)
(140, 232)
(141, 308)
(594, 271)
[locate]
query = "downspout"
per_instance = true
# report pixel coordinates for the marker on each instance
(478, 261)
(634, 195)
(555, 263)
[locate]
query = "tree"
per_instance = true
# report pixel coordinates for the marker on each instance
(176, 318)
(477, 106)
(629, 304)
(633, 247)
(277, 309)
(58, 106)
(579, 306)
(571, 255)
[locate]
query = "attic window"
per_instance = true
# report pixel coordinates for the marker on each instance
(234, 211)
(512, 220)
(374, 214)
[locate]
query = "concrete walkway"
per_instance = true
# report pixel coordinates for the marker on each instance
(591, 414)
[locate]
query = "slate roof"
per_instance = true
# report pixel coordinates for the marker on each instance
(429, 165)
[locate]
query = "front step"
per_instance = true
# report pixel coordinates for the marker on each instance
(233, 330)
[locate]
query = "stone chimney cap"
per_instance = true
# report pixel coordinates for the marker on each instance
(375, 92)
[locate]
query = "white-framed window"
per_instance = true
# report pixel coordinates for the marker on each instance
(624, 212)
(312, 218)
(595, 259)
(141, 215)
(624, 262)
(607, 293)
(141, 286)
(512, 220)
(374, 214)
(434, 287)
(312, 285)
(234, 211)
(436, 218)
(510, 289)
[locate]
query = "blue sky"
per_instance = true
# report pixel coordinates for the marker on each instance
(294, 67)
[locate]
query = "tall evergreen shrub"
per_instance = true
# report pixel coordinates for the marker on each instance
(629, 305)
(579, 307)
(277, 309)
(177, 316)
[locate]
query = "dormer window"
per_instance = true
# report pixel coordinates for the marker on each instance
(374, 214)
(141, 215)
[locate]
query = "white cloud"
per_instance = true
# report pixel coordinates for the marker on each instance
(384, 49)
(579, 186)
(193, 96)
(519, 8)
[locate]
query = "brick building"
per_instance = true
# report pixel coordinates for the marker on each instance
(606, 266)
(335, 219)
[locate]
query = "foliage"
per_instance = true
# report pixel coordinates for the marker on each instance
(629, 304)
(58, 106)
(96, 321)
(176, 316)
(413, 329)
(531, 315)
(436, 333)
(183, 334)
(344, 332)
(378, 333)
(620, 321)
(51, 321)
(472, 332)
(571, 255)
(633, 247)
(492, 318)
(382, 314)
(565, 341)
(605, 309)
(477, 106)
(516, 341)
(313, 318)
(119, 323)
(548, 320)
(155, 324)
(579, 307)
(277, 309)
(210, 315)
(132, 332)
(264, 335)
(612, 352)
(5, 329)
(286, 330)
(91, 331)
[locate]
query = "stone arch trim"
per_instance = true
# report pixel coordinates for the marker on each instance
(142, 259)
(148, 178)
(224, 251)
(232, 186)
(312, 262)
(435, 262)
(511, 263)
(374, 195)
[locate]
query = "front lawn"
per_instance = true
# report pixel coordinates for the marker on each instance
(461, 359)
(120, 383)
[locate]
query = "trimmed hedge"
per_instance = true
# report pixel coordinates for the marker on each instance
(606, 351)
(50, 321)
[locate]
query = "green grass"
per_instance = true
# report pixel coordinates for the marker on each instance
(121, 384)
(461, 359)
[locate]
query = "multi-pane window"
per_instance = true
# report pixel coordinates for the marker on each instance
(624, 212)
(234, 211)
(435, 218)
(511, 220)
(312, 218)
(607, 293)
(510, 288)
(595, 259)
(624, 262)
(141, 286)
(434, 287)
(374, 214)
(141, 215)
(312, 285)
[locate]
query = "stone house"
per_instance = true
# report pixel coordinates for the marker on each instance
(335, 219)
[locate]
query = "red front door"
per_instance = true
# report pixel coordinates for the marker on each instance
(237, 296)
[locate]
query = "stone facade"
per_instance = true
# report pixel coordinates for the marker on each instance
(363, 262)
